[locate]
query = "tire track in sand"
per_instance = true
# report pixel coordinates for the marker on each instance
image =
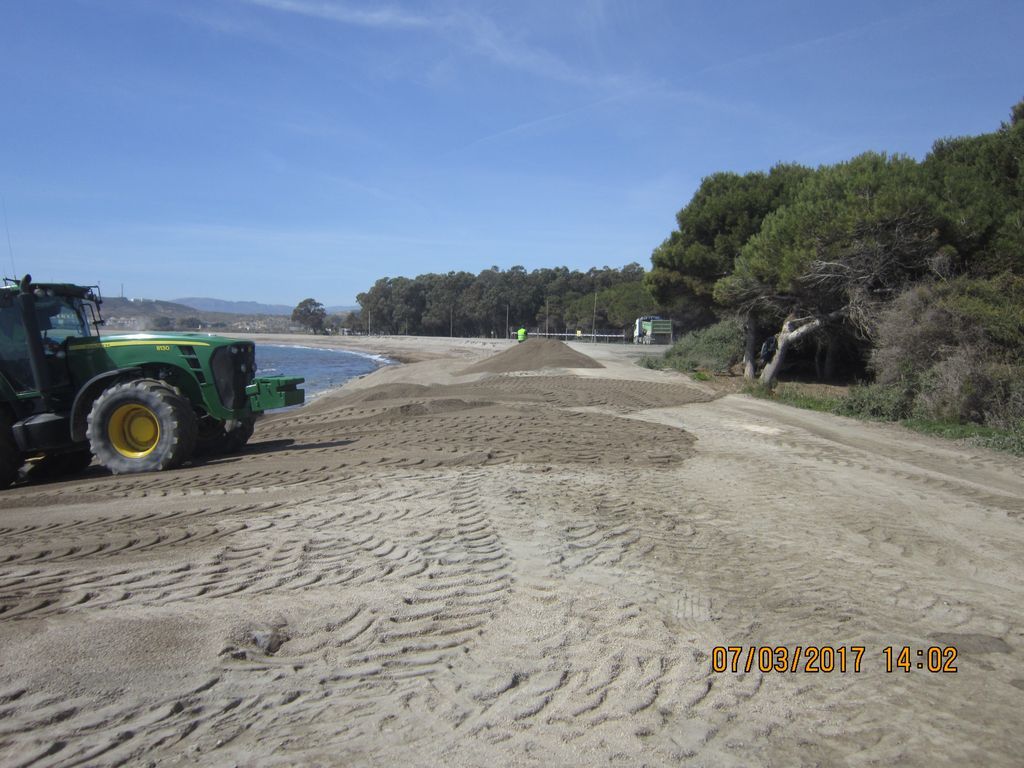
(332, 608)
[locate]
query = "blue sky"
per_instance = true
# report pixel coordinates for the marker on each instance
(271, 150)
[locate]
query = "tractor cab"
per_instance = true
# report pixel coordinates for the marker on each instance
(36, 321)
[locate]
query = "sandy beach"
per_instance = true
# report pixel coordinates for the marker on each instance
(498, 554)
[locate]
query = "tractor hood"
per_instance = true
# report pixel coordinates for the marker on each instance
(194, 339)
(135, 347)
(221, 371)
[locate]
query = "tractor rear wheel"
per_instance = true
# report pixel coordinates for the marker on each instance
(141, 426)
(10, 456)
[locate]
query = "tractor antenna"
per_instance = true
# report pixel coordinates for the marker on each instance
(10, 248)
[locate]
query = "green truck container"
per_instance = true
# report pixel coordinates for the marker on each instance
(652, 330)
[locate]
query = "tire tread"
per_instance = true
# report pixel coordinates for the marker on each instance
(171, 408)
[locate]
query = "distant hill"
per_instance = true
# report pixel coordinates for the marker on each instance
(235, 307)
(114, 306)
(146, 314)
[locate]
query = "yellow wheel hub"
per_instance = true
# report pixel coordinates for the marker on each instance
(134, 431)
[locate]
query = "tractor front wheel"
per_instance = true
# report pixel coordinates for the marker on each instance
(141, 426)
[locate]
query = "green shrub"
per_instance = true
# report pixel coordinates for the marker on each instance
(1006, 408)
(756, 389)
(994, 306)
(953, 352)
(716, 348)
(796, 395)
(893, 403)
(1008, 440)
(877, 401)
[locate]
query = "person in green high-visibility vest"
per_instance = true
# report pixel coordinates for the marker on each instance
(521, 334)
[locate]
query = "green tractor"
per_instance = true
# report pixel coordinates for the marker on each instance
(137, 402)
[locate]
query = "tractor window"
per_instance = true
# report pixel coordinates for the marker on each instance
(61, 317)
(14, 365)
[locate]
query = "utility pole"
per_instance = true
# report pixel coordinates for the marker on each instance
(451, 320)
(547, 316)
(593, 323)
(507, 326)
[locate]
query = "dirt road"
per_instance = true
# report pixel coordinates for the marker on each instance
(522, 566)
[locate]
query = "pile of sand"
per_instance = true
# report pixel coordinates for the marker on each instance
(533, 355)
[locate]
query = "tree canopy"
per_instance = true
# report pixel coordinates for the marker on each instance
(854, 234)
(726, 211)
(556, 300)
(310, 314)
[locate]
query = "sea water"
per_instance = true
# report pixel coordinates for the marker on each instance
(323, 369)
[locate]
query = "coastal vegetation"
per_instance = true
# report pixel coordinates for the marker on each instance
(904, 278)
(487, 304)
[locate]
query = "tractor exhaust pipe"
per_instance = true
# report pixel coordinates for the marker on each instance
(34, 340)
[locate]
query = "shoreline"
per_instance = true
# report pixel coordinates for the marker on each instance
(427, 354)
(402, 349)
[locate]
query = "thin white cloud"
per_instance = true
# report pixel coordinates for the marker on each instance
(470, 31)
(556, 117)
(379, 17)
(480, 35)
(762, 58)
